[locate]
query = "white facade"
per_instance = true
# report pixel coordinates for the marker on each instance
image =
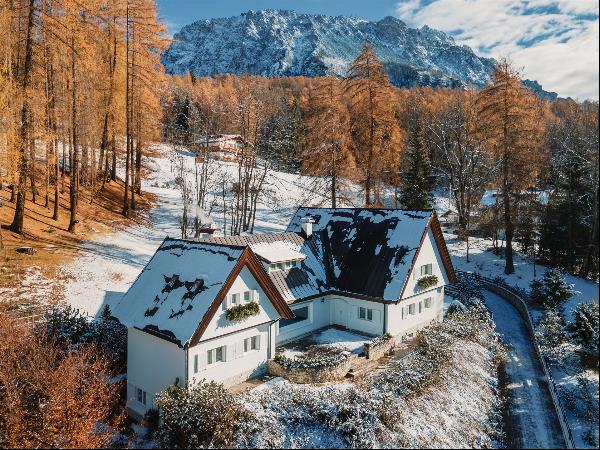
(153, 364)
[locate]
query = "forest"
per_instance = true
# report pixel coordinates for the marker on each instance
(83, 97)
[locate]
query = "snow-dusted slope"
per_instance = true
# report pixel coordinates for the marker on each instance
(284, 43)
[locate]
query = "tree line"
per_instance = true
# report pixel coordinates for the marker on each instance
(79, 93)
(536, 158)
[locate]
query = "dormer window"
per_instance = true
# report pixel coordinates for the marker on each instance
(285, 265)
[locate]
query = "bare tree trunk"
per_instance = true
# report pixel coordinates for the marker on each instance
(74, 185)
(17, 223)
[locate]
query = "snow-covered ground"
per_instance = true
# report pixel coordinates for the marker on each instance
(330, 339)
(484, 261)
(457, 411)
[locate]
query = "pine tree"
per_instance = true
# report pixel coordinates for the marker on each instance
(553, 333)
(536, 292)
(556, 289)
(417, 179)
(585, 326)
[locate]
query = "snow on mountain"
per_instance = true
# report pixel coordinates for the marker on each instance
(285, 43)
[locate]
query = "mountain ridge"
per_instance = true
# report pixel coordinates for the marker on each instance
(275, 43)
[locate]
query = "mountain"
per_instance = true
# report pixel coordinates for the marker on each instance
(284, 43)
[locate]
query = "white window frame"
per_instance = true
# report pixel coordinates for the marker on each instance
(428, 302)
(211, 355)
(252, 344)
(426, 269)
(141, 396)
(237, 298)
(249, 295)
(196, 363)
(411, 309)
(364, 313)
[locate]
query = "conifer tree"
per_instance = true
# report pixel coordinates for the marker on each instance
(556, 289)
(374, 128)
(511, 127)
(327, 152)
(417, 179)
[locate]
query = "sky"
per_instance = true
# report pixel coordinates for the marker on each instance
(552, 41)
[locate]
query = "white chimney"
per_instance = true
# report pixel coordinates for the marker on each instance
(306, 224)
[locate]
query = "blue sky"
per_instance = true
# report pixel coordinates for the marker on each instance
(552, 41)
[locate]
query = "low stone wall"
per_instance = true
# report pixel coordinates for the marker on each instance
(311, 375)
(382, 348)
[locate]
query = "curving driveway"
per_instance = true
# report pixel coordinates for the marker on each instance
(532, 420)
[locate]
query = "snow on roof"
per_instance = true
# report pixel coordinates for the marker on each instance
(177, 287)
(492, 196)
(300, 282)
(279, 251)
(365, 251)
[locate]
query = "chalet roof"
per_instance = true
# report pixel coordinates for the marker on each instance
(368, 252)
(307, 280)
(179, 287)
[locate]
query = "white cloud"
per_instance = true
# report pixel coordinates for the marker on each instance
(554, 41)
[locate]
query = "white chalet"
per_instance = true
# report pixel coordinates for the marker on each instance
(354, 268)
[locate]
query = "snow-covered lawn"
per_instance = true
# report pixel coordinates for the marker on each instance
(484, 261)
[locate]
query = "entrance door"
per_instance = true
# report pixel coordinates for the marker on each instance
(341, 313)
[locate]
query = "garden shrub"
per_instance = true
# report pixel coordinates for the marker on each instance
(205, 415)
(242, 312)
(427, 282)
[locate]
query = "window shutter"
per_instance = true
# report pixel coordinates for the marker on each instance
(239, 349)
(255, 296)
(225, 302)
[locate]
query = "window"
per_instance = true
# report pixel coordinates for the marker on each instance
(220, 354)
(251, 343)
(140, 395)
(300, 315)
(365, 313)
(235, 299)
(428, 302)
(420, 307)
(215, 355)
(426, 269)
(248, 296)
(195, 363)
(411, 309)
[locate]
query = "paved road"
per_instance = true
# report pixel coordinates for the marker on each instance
(532, 421)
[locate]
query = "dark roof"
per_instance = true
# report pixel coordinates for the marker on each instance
(367, 252)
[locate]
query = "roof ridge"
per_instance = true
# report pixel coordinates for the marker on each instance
(205, 242)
